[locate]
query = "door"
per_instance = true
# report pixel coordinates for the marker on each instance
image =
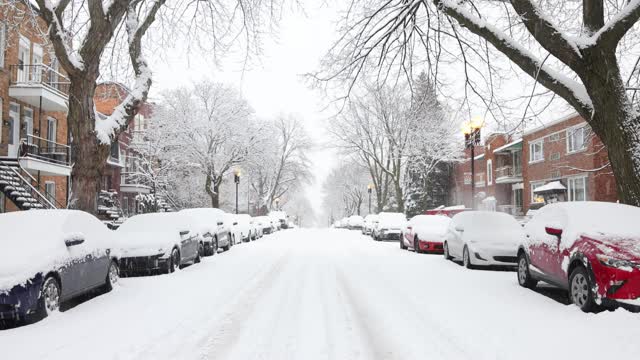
(27, 118)
(50, 191)
(52, 128)
(14, 130)
(36, 69)
(545, 252)
(24, 60)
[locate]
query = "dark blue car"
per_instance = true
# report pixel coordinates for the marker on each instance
(50, 256)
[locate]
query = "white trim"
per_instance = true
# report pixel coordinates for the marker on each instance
(586, 186)
(489, 172)
(572, 129)
(3, 42)
(551, 123)
(34, 165)
(531, 144)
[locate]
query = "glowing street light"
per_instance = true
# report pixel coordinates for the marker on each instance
(369, 189)
(236, 180)
(471, 131)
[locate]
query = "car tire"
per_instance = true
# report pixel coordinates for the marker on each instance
(416, 245)
(402, 246)
(174, 262)
(214, 245)
(581, 290)
(113, 276)
(49, 300)
(524, 275)
(466, 258)
(200, 251)
(445, 251)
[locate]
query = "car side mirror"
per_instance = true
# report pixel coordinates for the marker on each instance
(184, 232)
(74, 240)
(220, 223)
(459, 228)
(553, 231)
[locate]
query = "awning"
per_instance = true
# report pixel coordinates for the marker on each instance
(512, 146)
(554, 186)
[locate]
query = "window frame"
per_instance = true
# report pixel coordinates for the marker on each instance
(532, 144)
(572, 131)
(50, 196)
(571, 187)
(3, 43)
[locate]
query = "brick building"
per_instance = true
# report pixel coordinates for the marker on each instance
(560, 161)
(34, 155)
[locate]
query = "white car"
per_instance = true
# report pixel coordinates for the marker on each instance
(389, 226)
(234, 230)
(355, 222)
(245, 225)
(158, 242)
(257, 226)
(483, 238)
(214, 233)
(264, 223)
(369, 222)
(281, 219)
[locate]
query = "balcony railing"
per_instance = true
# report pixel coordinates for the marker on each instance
(40, 75)
(508, 172)
(43, 149)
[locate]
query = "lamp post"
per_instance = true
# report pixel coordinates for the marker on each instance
(369, 188)
(471, 131)
(236, 179)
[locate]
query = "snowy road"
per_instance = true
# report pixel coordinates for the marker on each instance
(324, 294)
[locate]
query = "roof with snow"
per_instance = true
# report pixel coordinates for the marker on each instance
(552, 186)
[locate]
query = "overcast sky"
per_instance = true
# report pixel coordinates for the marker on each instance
(275, 84)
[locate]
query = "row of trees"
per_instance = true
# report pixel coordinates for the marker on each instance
(201, 136)
(400, 142)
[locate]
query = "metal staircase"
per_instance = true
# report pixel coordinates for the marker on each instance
(19, 189)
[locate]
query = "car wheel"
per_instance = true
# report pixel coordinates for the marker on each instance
(214, 246)
(49, 301)
(113, 276)
(524, 275)
(416, 246)
(445, 251)
(175, 260)
(581, 290)
(466, 258)
(200, 251)
(402, 245)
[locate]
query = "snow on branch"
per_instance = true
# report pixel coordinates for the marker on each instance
(572, 91)
(611, 33)
(52, 15)
(107, 129)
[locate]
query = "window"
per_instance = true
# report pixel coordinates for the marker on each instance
(3, 42)
(517, 198)
(535, 185)
(467, 178)
(554, 156)
(27, 118)
(576, 139)
(536, 151)
(489, 172)
(50, 191)
(51, 130)
(125, 205)
(1, 203)
(577, 189)
(555, 174)
(554, 137)
(115, 151)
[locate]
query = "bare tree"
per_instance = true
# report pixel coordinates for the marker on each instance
(345, 189)
(580, 51)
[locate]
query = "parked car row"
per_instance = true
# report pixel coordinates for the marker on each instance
(590, 249)
(71, 253)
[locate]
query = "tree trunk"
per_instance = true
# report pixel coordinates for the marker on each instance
(212, 187)
(88, 155)
(399, 196)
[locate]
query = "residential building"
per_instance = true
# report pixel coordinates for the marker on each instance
(34, 153)
(560, 161)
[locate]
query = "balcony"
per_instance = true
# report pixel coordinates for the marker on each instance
(508, 174)
(47, 157)
(39, 86)
(130, 183)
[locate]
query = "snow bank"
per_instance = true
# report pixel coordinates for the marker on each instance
(33, 242)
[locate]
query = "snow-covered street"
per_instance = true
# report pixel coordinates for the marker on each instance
(324, 294)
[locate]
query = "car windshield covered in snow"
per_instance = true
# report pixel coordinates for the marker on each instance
(489, 227)
(206, 219)
(392, 220)
(153, 232)
(430, 226)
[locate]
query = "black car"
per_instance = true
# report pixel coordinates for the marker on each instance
(66, 255)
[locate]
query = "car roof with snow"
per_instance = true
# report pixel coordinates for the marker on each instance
(494, 226)
(26, 249)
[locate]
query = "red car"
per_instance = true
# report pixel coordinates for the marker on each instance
(425, 233)
(591, 249)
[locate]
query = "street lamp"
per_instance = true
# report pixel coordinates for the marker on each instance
(471, 131)
(236, 179)
(369, 188)
(277, 203)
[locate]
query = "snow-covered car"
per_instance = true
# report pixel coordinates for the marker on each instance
(231, 222)
(355, 222)
(389, 226)
(257, 226)
(211, 227)
(281, 219)
(369, 222)
(425, 233)
(591, 249)
(158, 242)
(483, 238)
(264, 223)
(50, 256)
(245, 225)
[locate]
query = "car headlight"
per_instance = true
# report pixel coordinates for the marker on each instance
(616, 263)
